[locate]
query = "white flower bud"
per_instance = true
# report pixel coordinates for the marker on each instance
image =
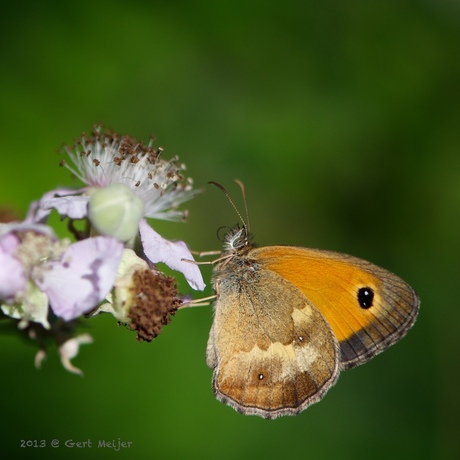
(116, 211)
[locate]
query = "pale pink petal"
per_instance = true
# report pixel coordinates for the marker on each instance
(12, 228)
(158, 249)
(83, 277)
(67, 202)
(74, 207)
(12, 276)
(8, 240)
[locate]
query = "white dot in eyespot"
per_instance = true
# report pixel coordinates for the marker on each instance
(261, 376)
(301, 339)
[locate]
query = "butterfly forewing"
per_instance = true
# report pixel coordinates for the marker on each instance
(367, 307)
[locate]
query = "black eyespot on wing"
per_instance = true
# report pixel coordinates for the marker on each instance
(365, 297)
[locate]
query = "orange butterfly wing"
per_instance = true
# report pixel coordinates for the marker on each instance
(367, 307)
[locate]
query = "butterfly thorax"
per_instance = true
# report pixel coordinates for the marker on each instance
(236, 266)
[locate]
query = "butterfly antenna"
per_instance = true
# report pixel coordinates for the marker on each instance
(231, 201)
(243, 192)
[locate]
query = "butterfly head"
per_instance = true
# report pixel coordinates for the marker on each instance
(237, 240)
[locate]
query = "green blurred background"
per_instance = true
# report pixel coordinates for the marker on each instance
(341, 118)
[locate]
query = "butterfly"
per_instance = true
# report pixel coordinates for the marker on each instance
(287, 320)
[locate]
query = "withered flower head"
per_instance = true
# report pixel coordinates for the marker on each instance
(154, 301)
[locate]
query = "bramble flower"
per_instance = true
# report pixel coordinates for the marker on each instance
(47, 283)
(38, 270)
(125, 183)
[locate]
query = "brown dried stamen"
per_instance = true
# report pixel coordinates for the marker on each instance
(154, 302)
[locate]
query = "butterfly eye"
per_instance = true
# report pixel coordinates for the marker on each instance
(223, 232)
(365, 297)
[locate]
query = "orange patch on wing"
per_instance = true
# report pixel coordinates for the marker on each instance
(329, 283)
